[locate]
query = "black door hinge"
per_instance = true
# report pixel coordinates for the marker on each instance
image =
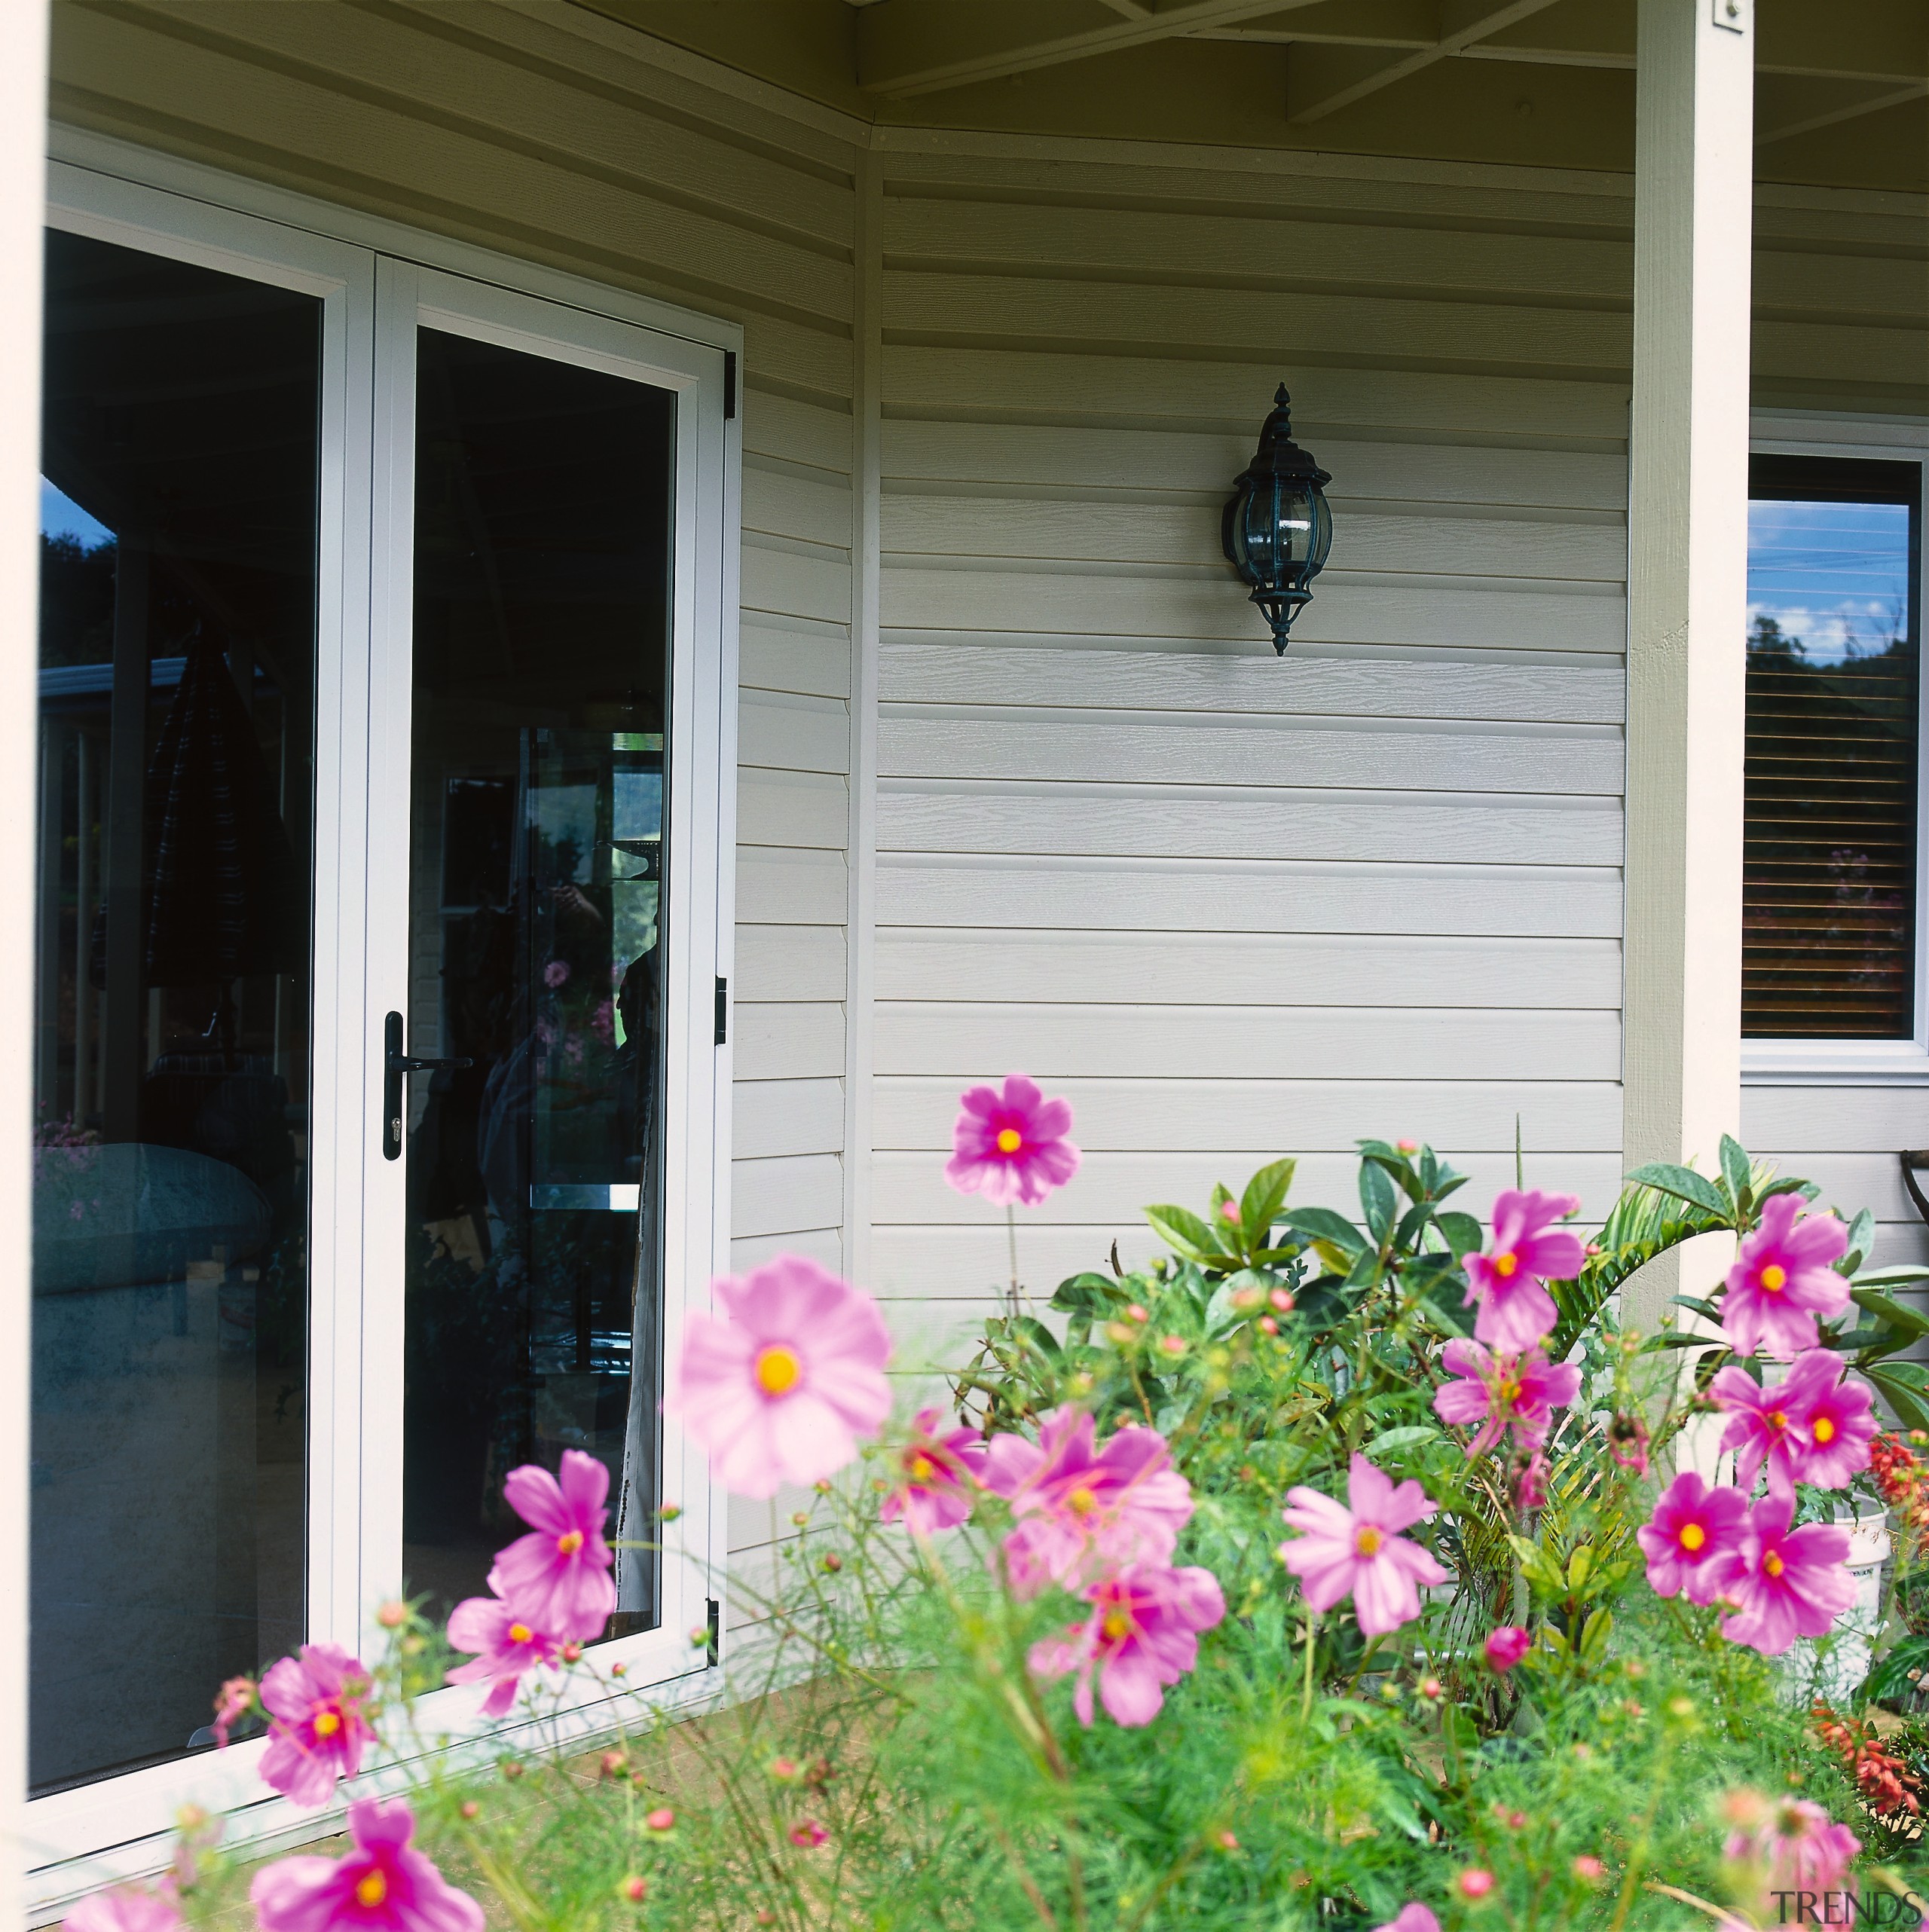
(715, 1619)
(729, 384)
(723, 1011)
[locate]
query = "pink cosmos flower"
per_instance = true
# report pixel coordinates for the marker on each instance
(1781, 1279)
(1506, 1646)
(1788, 1583)
(319, 1731)
(1081, 1513)
(937, 1476)
(781, 1388)
(505, 1645)
(557, 1578)
(1415, 1918)
(1529, 1472)
(126, 1909)
(1011, 1147)
(1141, 1636)
(1765, 1425)
(1359, 1552)
(1837, 1422)
(1515, 1311)
(381, 1885)
(1521, 1391)
(1694, 1543)
(1801, 1848)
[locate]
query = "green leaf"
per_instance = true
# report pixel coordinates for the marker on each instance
(1861, 1244)
(1909, 1320)
(1542, 1572)
(1462, 1230)
(1446, 1301)
(1265, 1194)
(1912, 1411)
(1040, 1337)
(1392, 1441)
(1737, 1170)
(1182, 1231)
(1323, 1224)
(1593, 1639)
(1376, 1198)
(1087, 1294)
(1890, 1677)
(1908, 1275)
(1684, 1184)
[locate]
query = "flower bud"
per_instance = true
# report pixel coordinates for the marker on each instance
(1227, 1841)
(470, 1809)
(1267, 1325)
(670, 1511)
(634, 1890)
(1246, 1299)
(1589, 1868)
(613, 1765)
(661, 1819)
(511, 1769)
(1282, 1299)
(832, 1562)
(391, 1615)
(1171, 1344)
(1475, 1882)
(808, 1833)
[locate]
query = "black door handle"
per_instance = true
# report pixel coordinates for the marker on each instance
(396, 1065)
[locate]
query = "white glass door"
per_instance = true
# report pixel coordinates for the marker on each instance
(543, 920)
(387, 717)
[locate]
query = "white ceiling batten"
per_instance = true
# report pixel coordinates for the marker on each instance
(905, 48)
(1323, 80)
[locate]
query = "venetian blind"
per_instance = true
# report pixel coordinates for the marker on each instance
(1830, 865)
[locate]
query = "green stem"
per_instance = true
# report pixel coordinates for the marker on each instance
(1011, 1240)
(1312, 1632)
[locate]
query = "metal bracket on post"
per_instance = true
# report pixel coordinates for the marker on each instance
(1732, 14)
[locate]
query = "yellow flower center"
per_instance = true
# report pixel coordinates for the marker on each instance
(1509, 1393)
(921, 1470)
(1772, 1565)
(370, 1889)
(327, 1723)
(1010, 1140)
(1822, 1429)
(520, 1633)
(1367, 1540)
(1777, 1420)
(777, 1370)
(1775, 1278)
(1116, 1625)
(569, 1543)
(1692, 1536)
(1081, 1502)
(1504, 1265)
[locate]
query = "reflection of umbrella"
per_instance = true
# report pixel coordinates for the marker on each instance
(220, 899)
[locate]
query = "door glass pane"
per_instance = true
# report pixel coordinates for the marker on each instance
(542, 519)
(1829, 870)
(170, 1294)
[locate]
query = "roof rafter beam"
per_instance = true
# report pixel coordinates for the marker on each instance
(1874, 102)
(1320, 82)
(910, 47)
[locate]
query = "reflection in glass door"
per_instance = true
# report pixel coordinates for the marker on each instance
(172, 1061)
(543, 503)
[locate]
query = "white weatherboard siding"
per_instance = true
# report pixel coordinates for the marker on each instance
(1233, 906)
(551, 134)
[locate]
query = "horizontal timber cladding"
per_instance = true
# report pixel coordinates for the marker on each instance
(1235, 905)
(547, 134)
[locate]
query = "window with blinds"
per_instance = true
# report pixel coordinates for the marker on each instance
(1829, 913)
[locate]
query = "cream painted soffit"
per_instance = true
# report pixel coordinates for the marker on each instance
(912, 46)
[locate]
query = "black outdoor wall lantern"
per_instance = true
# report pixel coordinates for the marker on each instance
(1277, 529)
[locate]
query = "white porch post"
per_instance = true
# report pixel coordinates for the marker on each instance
(1687, 591)
(22, 193)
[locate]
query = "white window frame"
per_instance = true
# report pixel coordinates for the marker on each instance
(376, 279)
(1859, 1062)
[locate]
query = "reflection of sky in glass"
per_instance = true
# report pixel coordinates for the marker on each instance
(1834, 575)
(61, 516)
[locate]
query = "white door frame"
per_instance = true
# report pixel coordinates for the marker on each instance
(374, 279)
